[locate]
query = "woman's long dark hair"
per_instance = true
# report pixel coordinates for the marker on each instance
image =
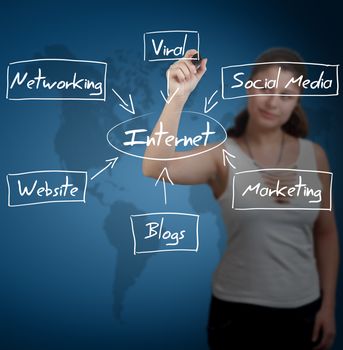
(297, 124)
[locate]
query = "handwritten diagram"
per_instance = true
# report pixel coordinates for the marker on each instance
(78, 80)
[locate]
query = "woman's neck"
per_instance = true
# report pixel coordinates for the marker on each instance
(262, 136)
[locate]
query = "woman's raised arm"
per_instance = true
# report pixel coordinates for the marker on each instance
(182, 77)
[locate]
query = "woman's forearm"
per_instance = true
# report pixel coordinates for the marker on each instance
(327, 254)
(169, 122)
(182, 78)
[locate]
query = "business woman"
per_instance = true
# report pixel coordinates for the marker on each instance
(275, 285)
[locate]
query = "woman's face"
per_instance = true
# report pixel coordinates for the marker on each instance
(272, 111)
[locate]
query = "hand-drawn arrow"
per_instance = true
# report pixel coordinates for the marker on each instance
(207, 103)
(126, 107)
(226, 156)
(111, 163)
(168, 100)
(164, 183)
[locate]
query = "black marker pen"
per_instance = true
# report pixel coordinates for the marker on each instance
(197, 60)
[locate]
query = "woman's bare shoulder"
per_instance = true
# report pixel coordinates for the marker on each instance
(321, 157)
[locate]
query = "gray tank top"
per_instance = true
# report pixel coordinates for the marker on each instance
(270, 258)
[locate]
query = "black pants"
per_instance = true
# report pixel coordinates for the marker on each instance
(235, 326)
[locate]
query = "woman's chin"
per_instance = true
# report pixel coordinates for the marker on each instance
(268, 123)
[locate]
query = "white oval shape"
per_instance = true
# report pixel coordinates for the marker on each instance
(166, 159)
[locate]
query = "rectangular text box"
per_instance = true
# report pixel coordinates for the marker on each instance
(322, 80)
(56, 79)
(46, 186)
(169, 45)
(165, 232)
(301, 188)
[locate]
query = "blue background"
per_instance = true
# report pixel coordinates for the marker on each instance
(68, 278)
